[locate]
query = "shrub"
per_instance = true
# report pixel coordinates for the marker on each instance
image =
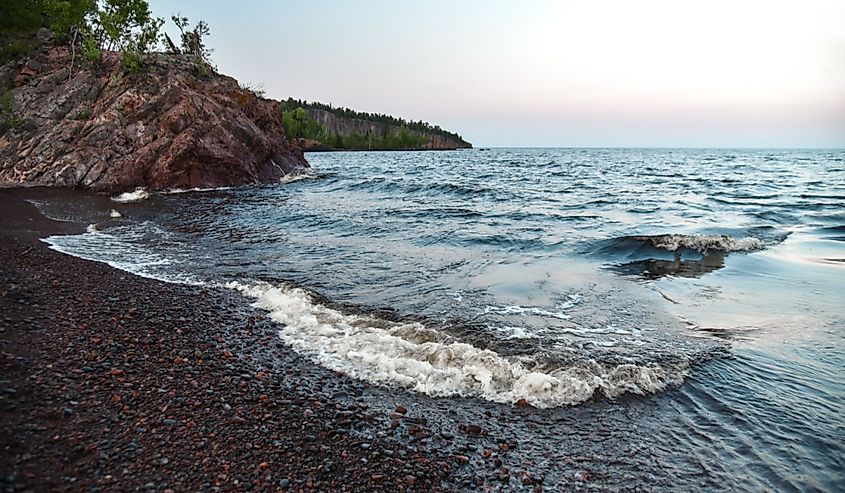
(131, 62)
(6, 102)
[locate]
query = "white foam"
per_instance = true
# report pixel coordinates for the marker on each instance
(296, 176)
(119, 253)
(515, 332)
(127, 197)
(420, 358)
(174, 191)
(526, 310)
(114, 214)
(705, 243)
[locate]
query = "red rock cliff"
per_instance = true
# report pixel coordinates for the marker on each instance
(171, 126)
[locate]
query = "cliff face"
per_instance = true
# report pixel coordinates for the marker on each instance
(347, 126)
(171, 126)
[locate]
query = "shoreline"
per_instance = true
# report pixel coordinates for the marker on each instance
(118, 382)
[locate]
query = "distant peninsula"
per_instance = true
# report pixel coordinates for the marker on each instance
(322, 127)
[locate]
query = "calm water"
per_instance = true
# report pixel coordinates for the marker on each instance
(710, 282)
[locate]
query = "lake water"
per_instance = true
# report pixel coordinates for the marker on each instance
(709, 282)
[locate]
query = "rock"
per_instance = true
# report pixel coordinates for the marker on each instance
(168, 422)
(582, 475)
(284, 483)
(473, 430)
(165, 128)
(462, 459)
(401, 410)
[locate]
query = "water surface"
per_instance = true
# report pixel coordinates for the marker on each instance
(710, 281)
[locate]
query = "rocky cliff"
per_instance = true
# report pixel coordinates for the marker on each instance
(173, 125)
(345, 127)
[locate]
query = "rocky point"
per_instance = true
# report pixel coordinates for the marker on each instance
(176, 124)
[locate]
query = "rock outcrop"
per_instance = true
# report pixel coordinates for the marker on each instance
(174, 125)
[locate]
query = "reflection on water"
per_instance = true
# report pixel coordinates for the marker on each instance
(656, 268)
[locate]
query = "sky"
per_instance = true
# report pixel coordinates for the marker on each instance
(646, 73)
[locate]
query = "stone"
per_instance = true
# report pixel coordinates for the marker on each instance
(162, 129)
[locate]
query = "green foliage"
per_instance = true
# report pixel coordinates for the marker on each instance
(14, 48)
(131, 62)
(418, 126)
(21, 19)
(90, 49)
(83, 114)
(298, 125)
(127, 26)
(67, 16)
(201, 70)
(191, 40)
(7, 116)
(118, 24)
(6, 102)
(22, 16)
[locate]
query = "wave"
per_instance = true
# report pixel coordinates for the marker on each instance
(703, 243)
(127, 197)
(675, 243)
(292, 177)
(118, 248)
(411, 355)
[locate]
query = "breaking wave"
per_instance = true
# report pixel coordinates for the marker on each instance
(297, 176)
(640, 245)
(127, 197)
(417, 357)
(702, 243)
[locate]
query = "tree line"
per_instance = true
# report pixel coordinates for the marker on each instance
(298, 125)
(417, 126)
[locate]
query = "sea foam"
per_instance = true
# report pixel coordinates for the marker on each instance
(127, 197)
(411, 355)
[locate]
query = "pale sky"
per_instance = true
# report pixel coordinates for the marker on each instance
(740, 73)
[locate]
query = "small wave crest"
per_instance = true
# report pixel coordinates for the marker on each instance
(120, 249)
(417, 357)
(297, 176)
(636, 246)
(702, 243)
(128, 197)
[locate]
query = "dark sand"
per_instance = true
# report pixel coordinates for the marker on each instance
(112, 382)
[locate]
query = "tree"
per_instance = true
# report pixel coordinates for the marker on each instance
(127, 26)
(192, 39)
